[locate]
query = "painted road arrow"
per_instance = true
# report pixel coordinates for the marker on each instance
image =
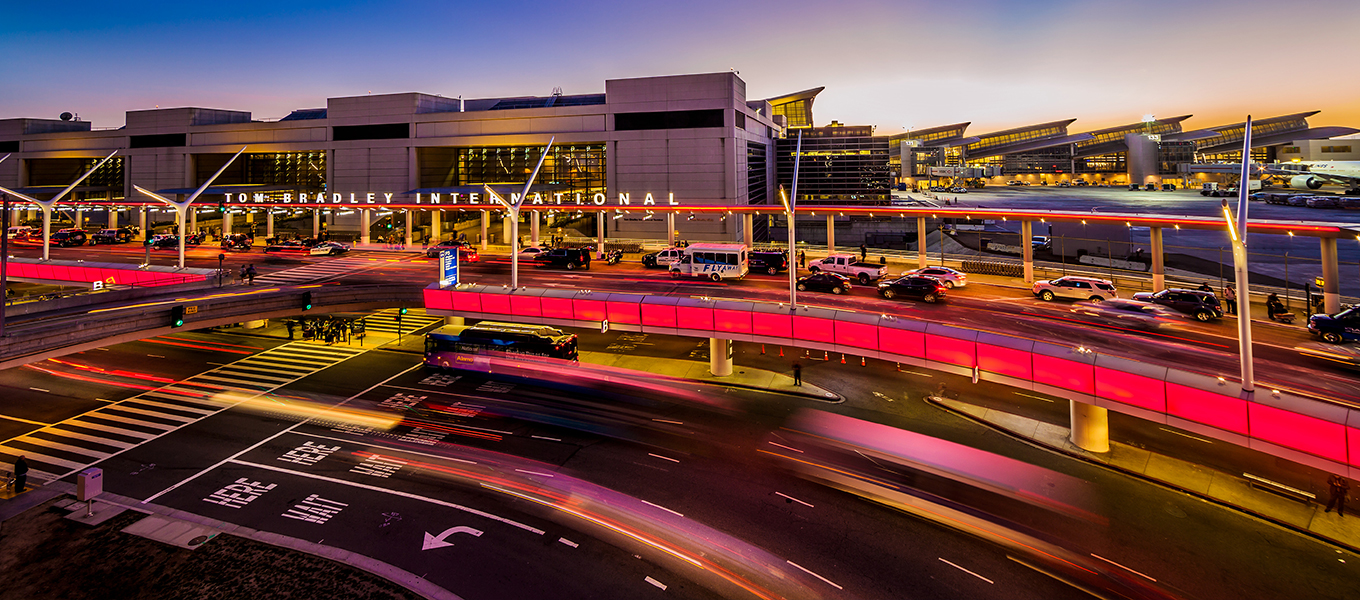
(437, 541)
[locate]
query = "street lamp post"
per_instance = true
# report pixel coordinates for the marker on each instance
(512, 207)
(790, 205)
(49, 204)
(182, 207)
(1238, 232)
(220, 258)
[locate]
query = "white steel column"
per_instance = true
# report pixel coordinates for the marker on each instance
(365, 225)
(830, 234)
(719, 357)
(533, 228)
(1158, 260)
(921, 246)
(1090, 427)
(486, 224)
(1331, 275)
(1027, 249)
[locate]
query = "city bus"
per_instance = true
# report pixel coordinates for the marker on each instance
(714, 261)
(444, 346)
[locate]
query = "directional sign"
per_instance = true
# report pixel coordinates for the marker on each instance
(437, 541)
(448, 267)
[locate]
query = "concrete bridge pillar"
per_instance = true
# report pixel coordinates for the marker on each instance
(1090, 427)
(748, 229)
(599, 232)
(830, 233)
(226, 223)
(1331, 276)
(1158, 260)
(719, 357)
(670, 229)
(1027, 248)
(141, 222)
(921, 247)
(365, 225)
(486, 224)
(435, 233)
(316, 222)
(269, 223)
(533, 228)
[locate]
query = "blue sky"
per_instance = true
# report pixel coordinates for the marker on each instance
(892, 64)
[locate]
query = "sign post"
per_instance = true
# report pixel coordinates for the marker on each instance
(448, 267)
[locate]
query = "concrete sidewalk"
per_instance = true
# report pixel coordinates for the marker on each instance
(1227, 489)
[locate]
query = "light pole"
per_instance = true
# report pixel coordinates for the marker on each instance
(181, 208)
(791, 204)
(220, 258)
(1238, 232)
(47, 205)
(512, 207)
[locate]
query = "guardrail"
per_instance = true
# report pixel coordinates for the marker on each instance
(1313, 431)
(36, 340)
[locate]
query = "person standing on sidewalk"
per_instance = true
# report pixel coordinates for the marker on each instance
(797, 374)
(863, 253)
(1230, 299)
(802, 259)
(20, 475)
(1338, 484)
(250, 273)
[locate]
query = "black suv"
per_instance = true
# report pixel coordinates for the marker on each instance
(1201, 305)
(570, 258)
(768, 261)
(67, 238)
(112, 236)
(928, 289)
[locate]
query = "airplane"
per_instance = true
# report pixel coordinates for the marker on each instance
(1312, 174)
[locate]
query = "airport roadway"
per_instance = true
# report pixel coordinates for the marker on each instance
(668, 471)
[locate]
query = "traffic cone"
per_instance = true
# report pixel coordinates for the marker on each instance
(762, 348)
(842, 359)
(781, 352)
(826, 356)
(861, 362)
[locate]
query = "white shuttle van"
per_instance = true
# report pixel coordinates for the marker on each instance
(714, 261)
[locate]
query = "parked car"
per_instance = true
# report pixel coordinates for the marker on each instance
(567, 258)
(663, 258)
(958, 189)
(1041, 242)
(67, 238)
(949, 277)
(1013, 182)
(529, 252)
(1151, 187)
(112, 236)
(1064, 184)
(1133, 187)
(22, 232)
(1340, 327)
(1168, 187)
(768, 261)
(848, 264)
(328, 249)
(1203, 306)
(928, 289)
(1073, 287)
(1127, 313)
(824, 282)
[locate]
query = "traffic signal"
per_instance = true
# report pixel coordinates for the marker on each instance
(402, 310)
(177, 316)
(306, 301)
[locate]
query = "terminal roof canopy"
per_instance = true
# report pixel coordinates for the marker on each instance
(1111, 139)
(796, 107)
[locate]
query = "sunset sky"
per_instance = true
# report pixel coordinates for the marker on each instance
(894, 64)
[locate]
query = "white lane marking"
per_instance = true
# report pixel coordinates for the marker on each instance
(40, 390)
(533, 473)
(1032, 396)
(786, 447)
(371, 445)
(1193, 437)
(568, 542)
(155, 356)
(805, 570)
(668, 421)
(540, 437)
(794, 499)
(265, 440)
(915, 373)
(662, 508)
(374, 488)
(656, 583)
(1123, 567)
(663, 457)
(966, 571)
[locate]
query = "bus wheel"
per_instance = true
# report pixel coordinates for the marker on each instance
(715, 276)
(675, 274)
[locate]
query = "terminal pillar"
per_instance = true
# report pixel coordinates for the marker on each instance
(365, 226)
(1331, 276)
(1090, 427)
(407, 239)
(269, 223)
(1158, 268)
(719, 357)
(113, 218)
(670, 229)
(921, 245)
(486, 224)
(141, 221)
(748, 229)
(453, 320)
(1027, 249)
(435, 233)
(193, 220)
(599, 233)
(226, 223)
(533, 228)
(316, 222)
(830, 234)
(505, 230)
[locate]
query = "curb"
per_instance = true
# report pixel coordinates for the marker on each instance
(403, 578)
(1166, 484)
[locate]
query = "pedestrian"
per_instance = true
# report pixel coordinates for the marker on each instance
(1338, 484)
(292, 327)
(243, 273)
(797, 374)
(20, 475)
(250, 273)
(863, 253)
(1204, 287)
(1230, 299)
(1273, 306)
(802, 259)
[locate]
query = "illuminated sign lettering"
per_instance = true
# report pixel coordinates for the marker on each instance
(442, 199)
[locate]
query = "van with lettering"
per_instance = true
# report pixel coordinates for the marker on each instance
(712, 261)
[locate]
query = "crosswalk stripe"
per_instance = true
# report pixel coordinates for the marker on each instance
(52, 460)
(59, 446)
(149, 413)
(248, 375)
(182, 399)
(89, 438)
(242, 381)
(115, 430)
(122, 419)
(201, 411)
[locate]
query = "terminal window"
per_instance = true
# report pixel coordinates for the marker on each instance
(1336, 149)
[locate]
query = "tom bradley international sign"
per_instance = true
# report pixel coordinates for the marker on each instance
(445, 199)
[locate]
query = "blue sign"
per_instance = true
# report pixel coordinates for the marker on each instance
(448, 267)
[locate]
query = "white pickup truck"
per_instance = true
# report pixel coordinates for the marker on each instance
(848, 265)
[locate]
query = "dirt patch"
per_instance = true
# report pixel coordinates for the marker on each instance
(44, 555)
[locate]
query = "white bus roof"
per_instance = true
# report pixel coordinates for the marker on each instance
(713, 247)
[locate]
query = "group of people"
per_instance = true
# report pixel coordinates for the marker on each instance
(1229, 296)
(326, 328)
(248, 274)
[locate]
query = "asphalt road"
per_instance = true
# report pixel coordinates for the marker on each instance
(329, 483)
